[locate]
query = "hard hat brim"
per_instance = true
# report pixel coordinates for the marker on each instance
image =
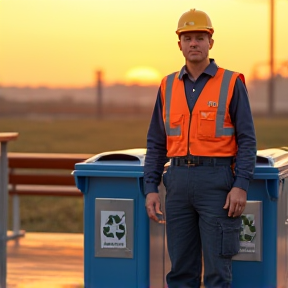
(181, 31)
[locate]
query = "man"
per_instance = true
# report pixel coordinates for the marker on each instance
(202, 123)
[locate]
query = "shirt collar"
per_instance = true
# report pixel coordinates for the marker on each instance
(211, 70)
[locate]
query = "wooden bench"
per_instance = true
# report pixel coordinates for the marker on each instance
(41, 174)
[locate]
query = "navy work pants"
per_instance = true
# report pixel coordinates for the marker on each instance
(196, 222)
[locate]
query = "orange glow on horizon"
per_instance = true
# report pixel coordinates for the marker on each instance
(52, 43)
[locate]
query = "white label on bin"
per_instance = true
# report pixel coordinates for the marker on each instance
(247, 234)
(113, 229)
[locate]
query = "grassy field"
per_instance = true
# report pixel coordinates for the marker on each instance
(56, 214)
(75, 135)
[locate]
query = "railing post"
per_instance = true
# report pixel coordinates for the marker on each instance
(16, 218)
(4, 138)
(3, 213)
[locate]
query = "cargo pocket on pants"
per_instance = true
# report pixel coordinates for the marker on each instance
(228, 236)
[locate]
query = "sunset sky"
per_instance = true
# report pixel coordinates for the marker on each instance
(61, 43)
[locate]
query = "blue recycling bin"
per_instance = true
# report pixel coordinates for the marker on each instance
(116, 226)
(263, 258)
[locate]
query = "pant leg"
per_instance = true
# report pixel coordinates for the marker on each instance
(183, 237)
(219, 233)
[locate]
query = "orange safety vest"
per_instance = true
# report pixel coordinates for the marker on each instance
(207, 130)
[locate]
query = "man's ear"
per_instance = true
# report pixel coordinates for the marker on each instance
(179, 45)
(211, 43)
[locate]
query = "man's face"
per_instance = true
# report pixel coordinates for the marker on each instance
(195, 46)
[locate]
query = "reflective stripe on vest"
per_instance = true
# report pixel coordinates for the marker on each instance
(168, 95)
(220, 129)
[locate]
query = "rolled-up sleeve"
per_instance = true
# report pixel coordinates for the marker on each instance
(241, 116)
(156, 149)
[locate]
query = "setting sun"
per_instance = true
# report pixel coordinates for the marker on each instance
(143, 75)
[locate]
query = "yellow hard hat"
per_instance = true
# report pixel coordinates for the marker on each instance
(194, 20)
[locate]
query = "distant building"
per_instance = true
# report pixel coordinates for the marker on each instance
(136, 96)
(258, 95)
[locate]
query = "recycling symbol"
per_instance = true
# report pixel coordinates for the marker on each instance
(114, 227)
(248, 229)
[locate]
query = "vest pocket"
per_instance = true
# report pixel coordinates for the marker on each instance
(176, 127)
(207, 125)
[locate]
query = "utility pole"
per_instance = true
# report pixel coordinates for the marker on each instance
(99, 95)
(271, 87)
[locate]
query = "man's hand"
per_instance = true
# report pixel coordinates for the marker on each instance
(236, 201)
(153, 205)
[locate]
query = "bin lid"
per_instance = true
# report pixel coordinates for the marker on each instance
(128, 160)
(274, 157)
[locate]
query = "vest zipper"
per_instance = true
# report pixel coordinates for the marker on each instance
(188, 152)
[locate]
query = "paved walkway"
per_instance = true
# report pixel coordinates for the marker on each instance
(43, 260)
(46, 260)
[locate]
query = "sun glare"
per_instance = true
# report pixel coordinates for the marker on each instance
(143, 76)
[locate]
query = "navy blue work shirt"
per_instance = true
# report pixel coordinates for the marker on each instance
(242, 120)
